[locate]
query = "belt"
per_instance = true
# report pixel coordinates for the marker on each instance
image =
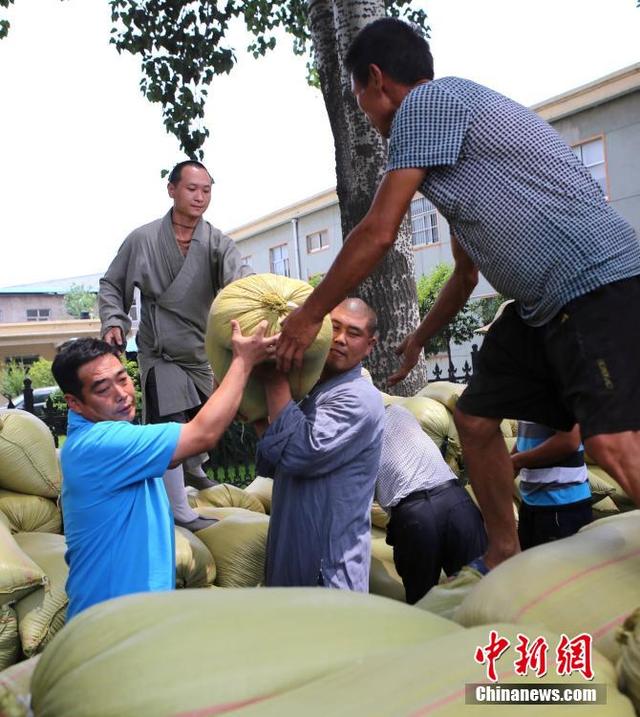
(427, 494)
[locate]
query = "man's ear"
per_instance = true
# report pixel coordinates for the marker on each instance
(74, 403)
(375, 76)
(171, 190)
(372, 342)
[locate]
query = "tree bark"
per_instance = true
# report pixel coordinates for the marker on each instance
(360, 159)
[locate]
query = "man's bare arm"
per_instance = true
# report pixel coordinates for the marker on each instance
(206, 429)
(452, 297)
(556, 448)
(366, 244)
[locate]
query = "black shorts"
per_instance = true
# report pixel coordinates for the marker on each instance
(582, 367)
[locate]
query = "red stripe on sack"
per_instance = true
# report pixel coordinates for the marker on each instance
(222, 708)
(562, 584)
(443, 701)
(604, 629)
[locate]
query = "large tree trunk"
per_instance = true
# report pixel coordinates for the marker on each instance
(360, 160)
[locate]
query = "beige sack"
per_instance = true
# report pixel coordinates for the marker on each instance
(604, 508)
(444, 392)
(238, 545)
(444, 599)
(42, 613)
(19, 575)
(210, 652)
(628, 667)
(429, 680)
(195, 567)
(225, 496)
(28, 461)
(618, 495)
(432, 416)
(586, 583)
(30, 513)
(15, 688)
(383, 576)
(251, 300)
(379, 516)
(9, 639)
(262, 489)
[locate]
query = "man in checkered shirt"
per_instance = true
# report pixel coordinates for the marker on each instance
(525, 212)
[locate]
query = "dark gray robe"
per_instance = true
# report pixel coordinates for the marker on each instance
(177, 292)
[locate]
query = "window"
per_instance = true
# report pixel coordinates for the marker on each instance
(317, 241)
(38, 314)
(424, 222)
(279, 260)
(591, 154)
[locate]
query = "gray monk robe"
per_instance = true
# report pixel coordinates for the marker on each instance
(177, 292)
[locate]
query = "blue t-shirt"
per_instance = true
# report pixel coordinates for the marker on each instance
(117, 517)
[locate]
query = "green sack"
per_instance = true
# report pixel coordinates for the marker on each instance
(432, 416)
(262, 489)
(9, 639)
(42, 613)
(225, 496)
(444, 392)
(238, 544)
(444, 599)
(628, 667)
(19, 575)
(251, 300)
(28, 460)
(195, 567)
(429, 680)
(618, 495)
(586, 583)
(15, 688)
(383, 576)
(30, 513)
(213, 651)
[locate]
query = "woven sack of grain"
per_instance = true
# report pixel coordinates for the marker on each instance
(238, 543)
(262, 489)
(586, 583)
(30, 513)
(383, 576)
(42, 613)
(28, 460)
(444, 392)
(230, 648)
(251, 300)
(432, 678)
(444, 599)
(195, 567)
(225, 496)
(19, 575)
(9, 638)
(15, 688)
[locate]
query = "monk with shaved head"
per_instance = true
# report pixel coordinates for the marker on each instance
(323, 455)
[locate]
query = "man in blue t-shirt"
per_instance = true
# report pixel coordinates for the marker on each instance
(525, 211)
(118, 522)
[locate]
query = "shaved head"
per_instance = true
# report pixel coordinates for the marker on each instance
(359, 307)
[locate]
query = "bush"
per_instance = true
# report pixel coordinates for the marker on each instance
(12, 377)
(40, 373)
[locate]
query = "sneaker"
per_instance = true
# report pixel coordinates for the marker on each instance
(199, 482)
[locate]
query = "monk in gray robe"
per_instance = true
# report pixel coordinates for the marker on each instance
(179, 263)
(323, 455)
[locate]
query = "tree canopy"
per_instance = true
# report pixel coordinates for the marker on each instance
(79, 300)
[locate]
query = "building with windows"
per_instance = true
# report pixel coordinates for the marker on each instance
(34, 320)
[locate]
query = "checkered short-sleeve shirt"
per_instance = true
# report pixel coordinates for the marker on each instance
(518, 200)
